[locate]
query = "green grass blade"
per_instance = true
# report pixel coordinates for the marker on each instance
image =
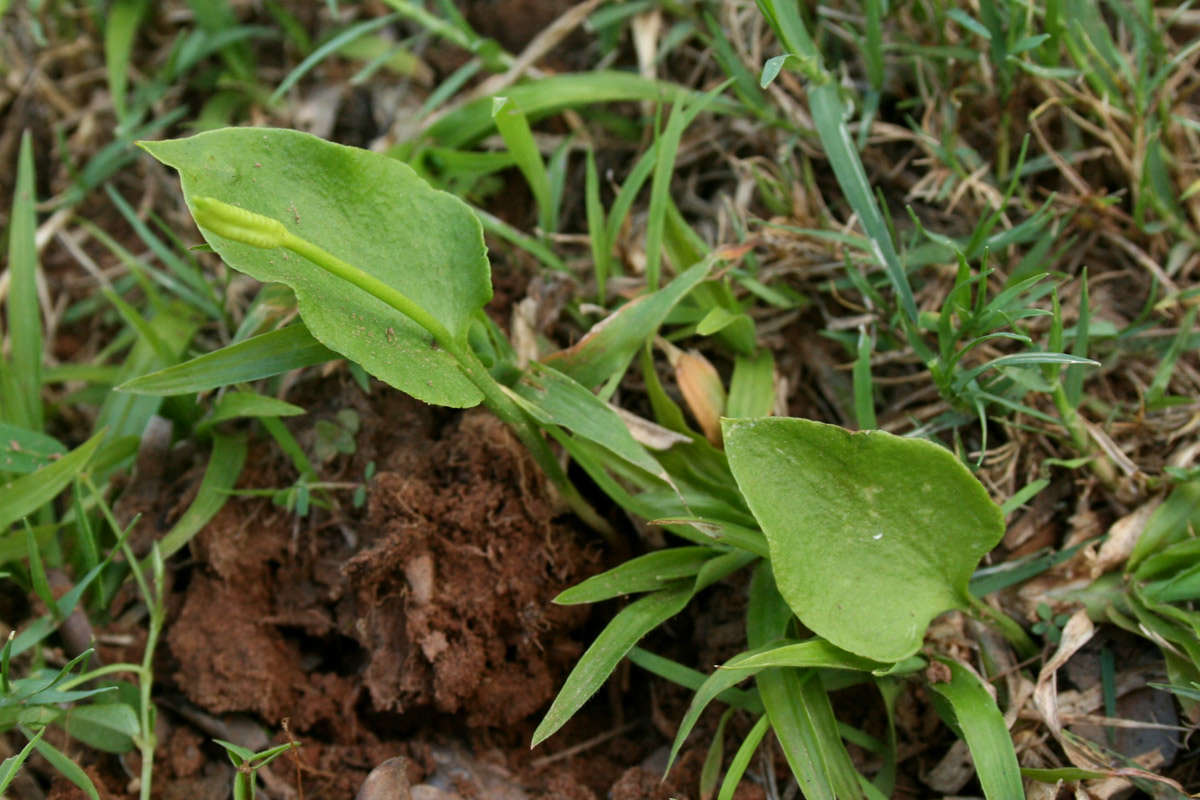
(23, 372)
(1073, 381)
(328, 48)
(186, 272)
(741, 759)
(120, 27)
(27, 494)
(140, 325)
(666, 148)
(645, 573)
(711, 771)
(983, 728)
(514, 128)
(745, 85)
(1022, 360)
(290, 447)
(796, 703)
(236, 405)
(12, 764)
(224, 467)
(811, 653)
(680, 241)
(65, 766)
(610, 344)
(692, 679)
(803, 721)
(258, 357)
(449, 87)
(85, 535)
(752, 386)
(37, 570)
(597, 232)
(885, 779)
(660, 184)
(601, 658)
(828, 115)
(570, 90)
(498, 227)
(715, 684)
(864, 389)
(1169, 523)
(126, 414)
(553, 398)
(634, 181)
(1166, 368)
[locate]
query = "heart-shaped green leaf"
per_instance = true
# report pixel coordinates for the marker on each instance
(871, 535)
(368, 210)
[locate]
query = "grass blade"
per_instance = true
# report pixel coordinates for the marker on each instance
(597, 233)
(611, 343)
(1166, 368)
(258, 357)
(601, 658)
(667, 146)
(12, 764)
(741, 759)
(692, 679)
(553, 398)
(64, 765)
(642, 574)
(498, 227)
(796, 704)
(126, 414)
(803, 721)
(235, 405)
(120, 28)
(224, 467)
(327, 49)
(23, 372)
(660, 185)
(514, 128)
(27, 494)
(828, 115)
(543, 96)
(864, 390)
(185, 271)
(712, 761)
(752, 386)
(982, 726)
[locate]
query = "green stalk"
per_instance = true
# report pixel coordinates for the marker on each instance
(1099, 463)
(147, 711)
(1007, 626)
(146, 740)
(260, 231)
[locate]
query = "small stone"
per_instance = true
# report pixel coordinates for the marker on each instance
(388, 781)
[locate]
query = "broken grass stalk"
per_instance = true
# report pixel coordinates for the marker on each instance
(257, 230)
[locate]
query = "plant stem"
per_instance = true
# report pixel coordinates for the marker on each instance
(146, 740)
(1008, 627)
(1099, 463)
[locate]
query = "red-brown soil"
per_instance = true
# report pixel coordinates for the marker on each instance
(419, 626)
